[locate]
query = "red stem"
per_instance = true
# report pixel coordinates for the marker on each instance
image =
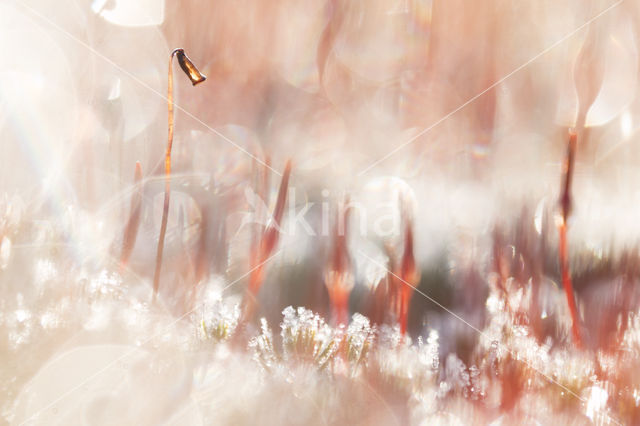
(133, 224)
(263, 249)
(565, 205)
(568, 286)
(340, 305)
(405, 295)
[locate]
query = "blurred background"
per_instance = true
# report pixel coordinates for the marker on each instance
(462, 108)
(454, 113)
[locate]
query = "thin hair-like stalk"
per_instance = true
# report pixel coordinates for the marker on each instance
(196, 77)
(338, 277)
(565, 210)
(264, 245)
(133, 224)
(409, 273)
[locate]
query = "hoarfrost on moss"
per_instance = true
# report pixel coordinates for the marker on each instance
(219, 320)
(307, 337)
(359, 339)
(262, 348)
(218, 316)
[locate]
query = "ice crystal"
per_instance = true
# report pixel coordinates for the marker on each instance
(307, 337)
(218, 317)
(219, 320)
(359, 339)
(104, 284)
(262, 346)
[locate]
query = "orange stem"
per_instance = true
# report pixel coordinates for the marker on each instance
(405, 294)
(568, 286)
(340, 305)
(565, 205)
(264, 248)
(196, 78)
(167, 181)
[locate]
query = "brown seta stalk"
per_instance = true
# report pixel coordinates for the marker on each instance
(195, 77)
(403, 276)
(409, 275)
(565, 210)
(133, 224)
(338, 277)
(263, 247)
(588, 74)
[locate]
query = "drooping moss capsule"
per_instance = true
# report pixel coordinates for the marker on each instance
(189, 69)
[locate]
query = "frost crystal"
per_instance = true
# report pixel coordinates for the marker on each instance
(219, 317)
(307, 337)
(262, 347)
(359, 339)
